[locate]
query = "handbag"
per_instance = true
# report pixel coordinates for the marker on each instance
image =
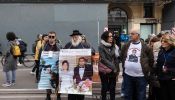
(103, 68)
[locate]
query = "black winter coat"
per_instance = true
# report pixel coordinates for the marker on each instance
(108, 57)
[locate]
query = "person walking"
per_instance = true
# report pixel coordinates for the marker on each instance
(109, 57)
(39, 46)
(36, 47)
(165, 68)
(23, 49)
(10, 65)
(137, 61)
(76, 43)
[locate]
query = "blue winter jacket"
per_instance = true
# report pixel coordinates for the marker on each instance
(167, 59)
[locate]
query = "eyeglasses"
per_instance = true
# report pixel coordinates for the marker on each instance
(51, 37)
(110, 36)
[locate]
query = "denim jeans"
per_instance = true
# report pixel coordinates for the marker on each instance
(122, 87)
(10, 76)
(135, 87)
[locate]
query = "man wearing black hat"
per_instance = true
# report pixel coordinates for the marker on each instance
(76, 43)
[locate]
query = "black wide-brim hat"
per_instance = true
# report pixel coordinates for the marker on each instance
(75, 32)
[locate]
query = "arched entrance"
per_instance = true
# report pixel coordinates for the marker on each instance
(117, 20)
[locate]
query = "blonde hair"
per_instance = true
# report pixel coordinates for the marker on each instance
(169, 38)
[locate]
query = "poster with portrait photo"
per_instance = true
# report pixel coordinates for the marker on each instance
(75, 71)
(48, 65)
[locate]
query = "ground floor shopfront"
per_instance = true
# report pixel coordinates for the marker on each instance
(123, 17)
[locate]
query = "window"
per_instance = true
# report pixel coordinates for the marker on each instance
(148, 10)
(117, 20)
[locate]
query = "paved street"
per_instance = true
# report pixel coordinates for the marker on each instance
(26, 88)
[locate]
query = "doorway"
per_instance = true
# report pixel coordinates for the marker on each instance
(117, 20)
(146, 30)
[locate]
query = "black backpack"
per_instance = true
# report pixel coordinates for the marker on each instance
(22, 46)
(34, 47)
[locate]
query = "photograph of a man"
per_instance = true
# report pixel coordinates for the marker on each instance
(82, 71)
(133, 57)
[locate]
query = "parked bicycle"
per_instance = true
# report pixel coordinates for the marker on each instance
(28, 60)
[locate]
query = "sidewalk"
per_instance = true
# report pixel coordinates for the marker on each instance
(24, 80)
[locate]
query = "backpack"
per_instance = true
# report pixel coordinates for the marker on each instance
(34, 47)
(16, 50)
(22, 46)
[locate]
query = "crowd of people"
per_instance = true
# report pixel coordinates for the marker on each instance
(143, 63)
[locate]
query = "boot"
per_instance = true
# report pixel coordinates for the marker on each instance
(48, 97)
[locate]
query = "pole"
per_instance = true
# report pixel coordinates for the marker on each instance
(98, 31)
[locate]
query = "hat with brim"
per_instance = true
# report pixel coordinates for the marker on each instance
(75, 32)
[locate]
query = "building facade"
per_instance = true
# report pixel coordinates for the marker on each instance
(145, 16)
(168, 20)
(27, 18)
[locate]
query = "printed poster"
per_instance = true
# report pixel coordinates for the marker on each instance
(75, 71)
(48, 64)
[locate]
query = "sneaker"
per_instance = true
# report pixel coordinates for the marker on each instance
(13, 83)
(19, 64)
(6, 85)
(32, 73)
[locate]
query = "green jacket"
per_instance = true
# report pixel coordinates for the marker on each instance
(146, 58)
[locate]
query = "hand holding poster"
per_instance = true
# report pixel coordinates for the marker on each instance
(48, 65)
(75, 71)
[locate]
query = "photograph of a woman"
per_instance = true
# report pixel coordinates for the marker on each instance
(66, 81)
